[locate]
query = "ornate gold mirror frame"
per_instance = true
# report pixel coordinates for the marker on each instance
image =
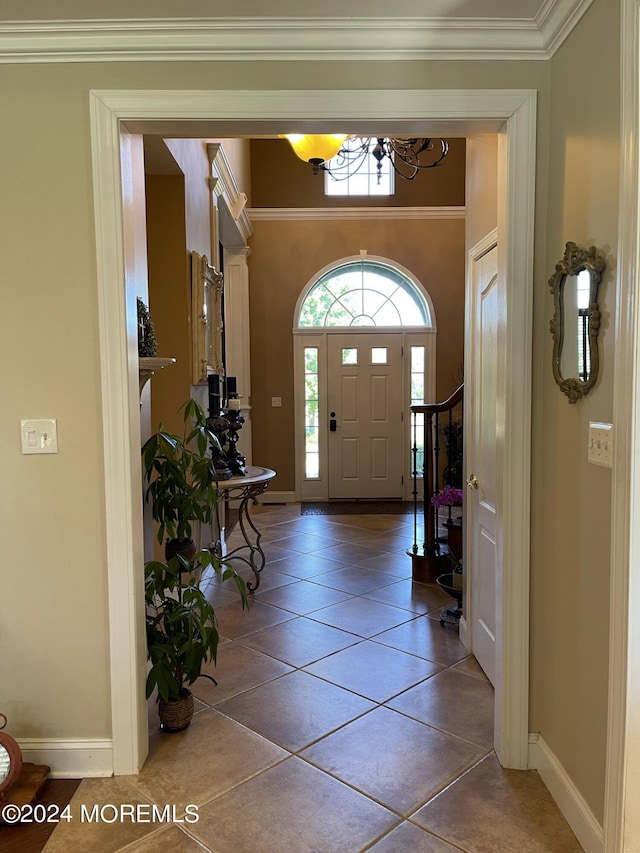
(576, 320)
(206, 318)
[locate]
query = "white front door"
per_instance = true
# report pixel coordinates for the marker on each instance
(481, 560)
(365, 402)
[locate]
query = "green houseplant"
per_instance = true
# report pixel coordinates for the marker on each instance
(180, 480)
(181, 630)
(180, 485)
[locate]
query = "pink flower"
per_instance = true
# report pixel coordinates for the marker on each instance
(449, 496)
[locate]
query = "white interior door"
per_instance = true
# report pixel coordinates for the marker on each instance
(365, 397)
(481, 558)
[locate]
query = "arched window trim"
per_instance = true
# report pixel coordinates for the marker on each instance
(420, 292)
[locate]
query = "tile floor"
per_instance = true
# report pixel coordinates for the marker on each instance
(346, 718)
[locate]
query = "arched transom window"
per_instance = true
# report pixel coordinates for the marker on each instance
(364, 293)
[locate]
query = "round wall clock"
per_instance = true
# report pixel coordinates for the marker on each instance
(10, 760)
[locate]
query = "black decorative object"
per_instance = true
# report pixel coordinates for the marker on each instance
(225, 422)
(237, 461)
(219, 425)
(231, 387)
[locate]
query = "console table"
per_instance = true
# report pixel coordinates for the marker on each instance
(244, 490)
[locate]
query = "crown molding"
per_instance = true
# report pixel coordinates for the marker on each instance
(298, 214)
(257, 38)
(223, 184)
(556, 20)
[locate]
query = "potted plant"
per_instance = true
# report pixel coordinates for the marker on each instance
(181, 631)
(180, 479)
(451, 496)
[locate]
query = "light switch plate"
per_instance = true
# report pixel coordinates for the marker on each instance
(600, 448)
(39, 436)
(276, 402)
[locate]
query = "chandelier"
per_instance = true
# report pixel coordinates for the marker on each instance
(407, 156)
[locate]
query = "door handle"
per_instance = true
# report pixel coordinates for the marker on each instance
(333, 423)
(473, 482)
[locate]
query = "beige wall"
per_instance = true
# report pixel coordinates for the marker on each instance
(56, 677)
(191, 156)
(285, 256)
(571, 511)
(170, 296)
(481, 186)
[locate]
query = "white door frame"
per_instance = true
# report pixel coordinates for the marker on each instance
(622, 792)
(510, 113)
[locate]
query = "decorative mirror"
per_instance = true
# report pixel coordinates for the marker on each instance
(206, 318)
(576, 320)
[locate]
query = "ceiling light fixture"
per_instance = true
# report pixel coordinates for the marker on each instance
(407, 156)
(316, 149)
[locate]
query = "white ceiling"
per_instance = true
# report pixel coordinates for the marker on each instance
(293, 30)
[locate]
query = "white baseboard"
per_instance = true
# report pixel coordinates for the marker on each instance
(278, 498)
(70, 759)
(568, 799)
(464, 632)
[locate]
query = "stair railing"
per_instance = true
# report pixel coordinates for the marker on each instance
(433, 425)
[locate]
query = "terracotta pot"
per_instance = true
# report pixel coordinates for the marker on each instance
(175, 715)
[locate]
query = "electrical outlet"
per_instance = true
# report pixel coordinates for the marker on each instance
(600, 449)
(276, 402)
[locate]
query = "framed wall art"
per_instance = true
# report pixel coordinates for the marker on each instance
(206, 318)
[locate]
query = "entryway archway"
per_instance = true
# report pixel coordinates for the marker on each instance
(365, 350)
(510, 113)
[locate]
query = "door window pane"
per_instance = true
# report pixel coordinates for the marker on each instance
(379, 355)
(349, 355)
(311, 414)
(417, 399)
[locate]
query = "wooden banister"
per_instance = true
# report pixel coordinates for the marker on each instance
(435, 408)
(427, 557)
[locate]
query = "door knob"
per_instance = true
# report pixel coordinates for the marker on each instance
(333, 424)
(473, 482)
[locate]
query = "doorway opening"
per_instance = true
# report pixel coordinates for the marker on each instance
(510, 113)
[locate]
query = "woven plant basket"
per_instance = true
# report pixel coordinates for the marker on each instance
(175, 715)
(185, 547)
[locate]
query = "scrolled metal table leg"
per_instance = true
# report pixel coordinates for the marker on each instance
(251, 535)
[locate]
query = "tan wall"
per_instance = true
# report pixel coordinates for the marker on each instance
(481, 186)
(285, 256)
(280, 179)
(170, 296)
(571, 511)
(191, 157)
